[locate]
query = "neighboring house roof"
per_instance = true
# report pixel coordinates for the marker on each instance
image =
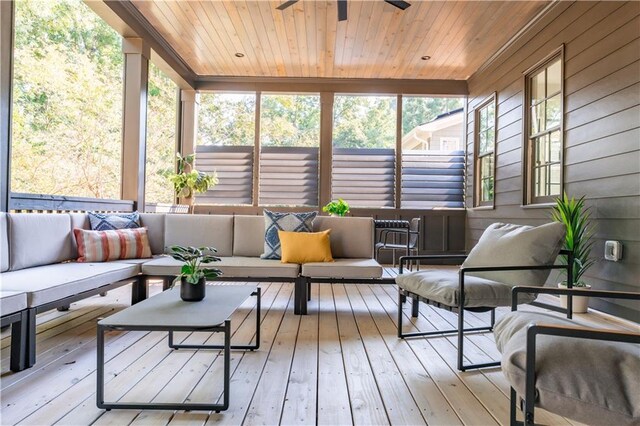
(420, 136)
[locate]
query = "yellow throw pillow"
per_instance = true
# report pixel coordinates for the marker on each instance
(305, 247)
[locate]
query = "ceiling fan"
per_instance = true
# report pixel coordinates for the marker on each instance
(342, 6)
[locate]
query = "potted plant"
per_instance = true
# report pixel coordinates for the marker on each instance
(193, 277)
(189, 181)
(337, 208)
(576, 217)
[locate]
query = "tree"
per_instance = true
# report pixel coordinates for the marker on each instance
(67, 107)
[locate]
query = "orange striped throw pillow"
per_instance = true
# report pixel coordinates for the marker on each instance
(103, 246)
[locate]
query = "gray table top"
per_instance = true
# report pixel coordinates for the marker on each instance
(166, 311)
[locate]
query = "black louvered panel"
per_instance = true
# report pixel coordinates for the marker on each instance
(364, 177)
(288, 176)
(234, 166)
(432, 179)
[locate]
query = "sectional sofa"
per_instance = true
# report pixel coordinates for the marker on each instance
(38, 271)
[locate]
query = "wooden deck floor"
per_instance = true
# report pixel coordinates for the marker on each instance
(340, 364)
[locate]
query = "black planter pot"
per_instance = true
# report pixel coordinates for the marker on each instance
(193, 292)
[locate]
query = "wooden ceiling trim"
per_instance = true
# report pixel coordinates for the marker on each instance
(223, 49)
(271, 35)
(336, 85)
(137, 22)
(381, 38)
(200, 20)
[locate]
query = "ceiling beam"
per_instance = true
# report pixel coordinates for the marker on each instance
(127, 20)
(336, 85)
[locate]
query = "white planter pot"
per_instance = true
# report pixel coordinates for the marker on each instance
(580, 303)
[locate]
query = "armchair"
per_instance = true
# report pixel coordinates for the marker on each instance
(506, 256)
(585, 374)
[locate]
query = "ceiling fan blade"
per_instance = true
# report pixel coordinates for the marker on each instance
(398, 3)
(286, 4)
(342, 10)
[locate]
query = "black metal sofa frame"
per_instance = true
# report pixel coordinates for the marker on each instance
(533, 331)
(460, 330)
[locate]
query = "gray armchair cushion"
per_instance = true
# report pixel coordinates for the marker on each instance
(504, 244)
(590, 381)
(250, 267)
(48, 283)
(39, 239)
(442, 286)
(12, 301)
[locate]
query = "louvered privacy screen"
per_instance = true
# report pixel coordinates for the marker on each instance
(234, 165)
(288, 176)
(364, 177)
(432, 179)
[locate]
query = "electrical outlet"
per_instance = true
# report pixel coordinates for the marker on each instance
(613, 250)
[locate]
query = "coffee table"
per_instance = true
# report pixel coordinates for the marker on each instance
(167, 312)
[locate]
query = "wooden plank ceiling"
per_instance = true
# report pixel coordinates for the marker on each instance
(306, 40)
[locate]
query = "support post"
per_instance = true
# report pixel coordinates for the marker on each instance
(134, 131)
(189, 103)
(6, 78)
(326, 147)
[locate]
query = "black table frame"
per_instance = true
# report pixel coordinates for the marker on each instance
(226, 348)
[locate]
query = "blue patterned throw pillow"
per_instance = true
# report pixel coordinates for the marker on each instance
(111, 221)
(292, 222)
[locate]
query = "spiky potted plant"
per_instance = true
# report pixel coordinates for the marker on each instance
(189, 181)
(336, 208)
(577, 219)
(193, 277)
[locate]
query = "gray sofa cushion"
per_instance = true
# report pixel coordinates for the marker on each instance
(4, 243)
(248, 236)
(12, 301)
(155, 230)
(351, 237)
(39, 239)
(589, 381)
(504, 244)
(442, 285)
(199, 230)
(52, 282)
(343, 268)
(233, 267)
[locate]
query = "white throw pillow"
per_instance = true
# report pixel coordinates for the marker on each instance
(504, 244)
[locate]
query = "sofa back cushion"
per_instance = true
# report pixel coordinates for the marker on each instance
(78, 221)
(199, 230)
(39, 239)
(504, 244)
(351, 237)
(155, 230)
(4, 243)
(248, 236)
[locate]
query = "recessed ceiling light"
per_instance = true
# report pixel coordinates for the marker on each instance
(425, 58)
(239, 55)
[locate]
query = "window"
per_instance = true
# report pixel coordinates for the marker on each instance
(226, 137)
(364, 140)
(485, 142)
(432, 152)
(67, 101)
(161, 136)
(543, 161)
(289, 149)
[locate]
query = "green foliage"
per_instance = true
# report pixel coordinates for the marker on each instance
(67, 101)
(290, 120)
(364, 121)
(193, 259)
(418, 110)
(338, 208)
(226, 119)
(576, 217)
(161, 136)
(188, 180)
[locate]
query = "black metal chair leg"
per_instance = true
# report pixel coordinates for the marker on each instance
(415, 307)
(308, 290)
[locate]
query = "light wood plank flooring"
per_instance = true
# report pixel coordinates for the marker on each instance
(341, 364)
